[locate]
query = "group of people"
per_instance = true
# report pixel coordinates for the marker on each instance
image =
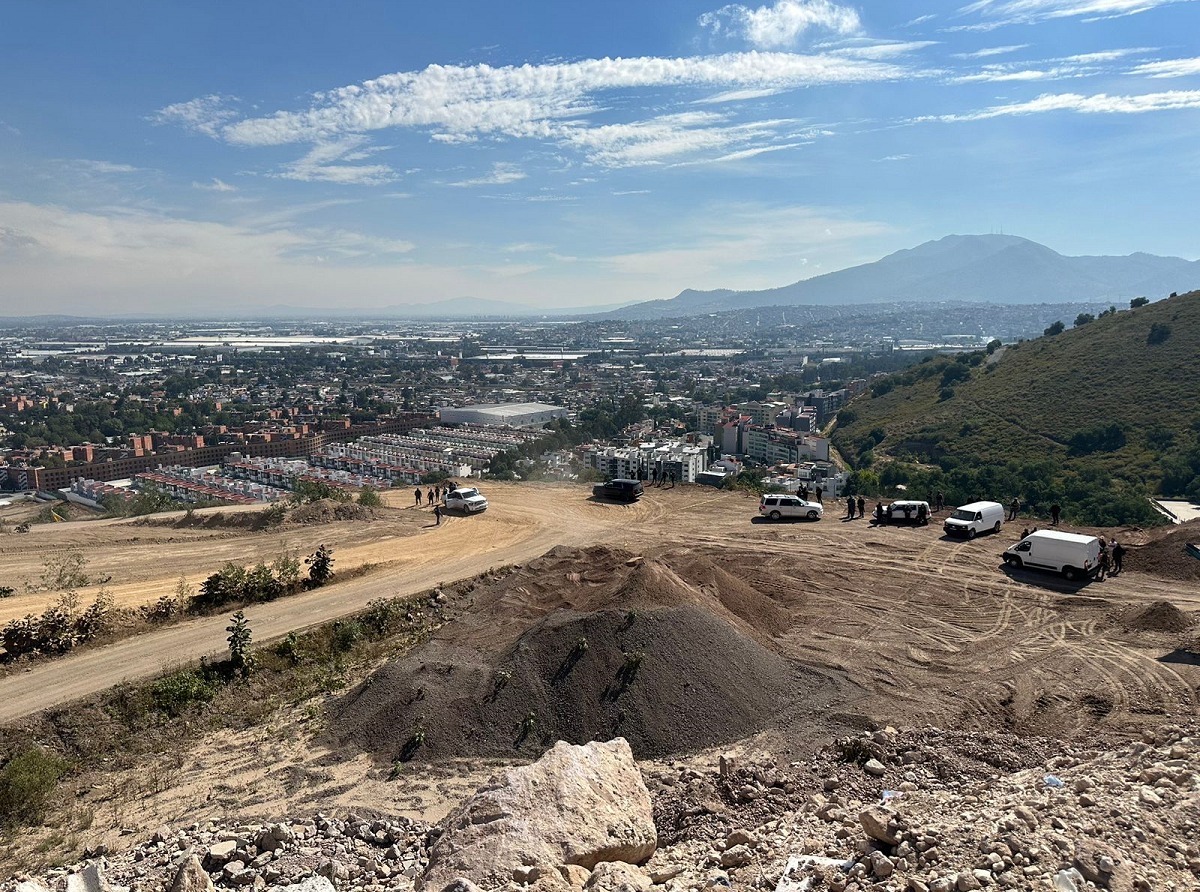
(819, 492)
(1055, 511)
(657, 479)
(435, 498)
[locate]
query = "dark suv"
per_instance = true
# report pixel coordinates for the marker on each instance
(619, 490)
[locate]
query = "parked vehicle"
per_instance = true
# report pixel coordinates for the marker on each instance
(777, 507)
(1073, 555)
(468, 501)
(975, 518)
(906, 511)
(619, 490)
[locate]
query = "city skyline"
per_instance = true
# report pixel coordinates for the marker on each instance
(219, 156)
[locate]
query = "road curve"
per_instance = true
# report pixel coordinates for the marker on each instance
(517, 528)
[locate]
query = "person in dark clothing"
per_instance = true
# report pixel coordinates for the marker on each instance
(820, 496)
(437, 514)
(1013, 507)
(878, 513)
(431, 497)
(1055, 511)
(922, 514)
(1025, 533)
(654, 476)
(417, 493)
(850, 507)
(941, 501)
(1118, 557)
(862, 504)
(672, 480)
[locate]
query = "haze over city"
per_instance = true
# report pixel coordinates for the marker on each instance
(212, 157)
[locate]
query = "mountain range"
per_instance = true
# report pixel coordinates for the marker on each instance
(998, 269)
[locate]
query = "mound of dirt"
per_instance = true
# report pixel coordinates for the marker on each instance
(673, 654)
(1160, 616)
(328, 511)
(670, 680)
(1165, 554)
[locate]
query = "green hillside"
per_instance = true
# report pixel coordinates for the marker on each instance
(1095, 418)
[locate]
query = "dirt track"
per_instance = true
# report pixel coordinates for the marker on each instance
(926, 628)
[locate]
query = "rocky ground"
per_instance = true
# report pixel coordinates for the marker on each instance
(918, 810)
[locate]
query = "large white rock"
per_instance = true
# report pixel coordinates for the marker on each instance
(575, 805)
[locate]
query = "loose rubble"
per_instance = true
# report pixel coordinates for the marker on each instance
(950, 812)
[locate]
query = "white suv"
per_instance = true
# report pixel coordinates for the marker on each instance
(468, 501)
(778, 507)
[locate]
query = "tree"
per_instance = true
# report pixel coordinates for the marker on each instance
(1138, 302)
(993, 346)
(320, 566)
(1055, 329)
(369, 498)
(1084, 319)
(240, 658)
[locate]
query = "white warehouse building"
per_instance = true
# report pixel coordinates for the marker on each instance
(512, 414)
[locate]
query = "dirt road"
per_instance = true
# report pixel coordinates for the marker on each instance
(923, 626)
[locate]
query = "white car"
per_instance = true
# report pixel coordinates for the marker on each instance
(977, 517)
(468, 501)
(777, 507)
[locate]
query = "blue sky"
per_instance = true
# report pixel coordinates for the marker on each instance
(563, 154)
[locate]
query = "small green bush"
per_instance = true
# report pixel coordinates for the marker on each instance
(174, 693)
(26, 782)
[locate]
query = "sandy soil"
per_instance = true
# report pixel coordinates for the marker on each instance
(919, 628)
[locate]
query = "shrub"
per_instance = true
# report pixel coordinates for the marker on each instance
(1159, 332)
(1055, 329)
(1084, 319)
(320, 566)
(344, 635)
(26, 782)
(993, 346)
(314, 490)
(369, 498)
(1138, 302)
(174, 693)
(240, 658)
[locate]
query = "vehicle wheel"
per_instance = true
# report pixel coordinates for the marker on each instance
(996, 528)
(1070, 574)
(812, 515)
(775, 515)
(970, 532)
(1012, 560)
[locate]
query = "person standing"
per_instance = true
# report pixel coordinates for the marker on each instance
(820, 495)
(1013, 508)
(1118, 556)
(437, 515)
(862, 505)
(672, 480)
(941, 501)
(1103, 559)
(850, 507)
(417, 493)
(1055, 511)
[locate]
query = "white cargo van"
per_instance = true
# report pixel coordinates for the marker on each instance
(978, 517)
(1072, 555)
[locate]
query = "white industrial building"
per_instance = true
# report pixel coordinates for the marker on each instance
(512, 414)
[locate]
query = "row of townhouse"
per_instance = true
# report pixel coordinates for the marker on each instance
(647, 460)
(197, 485)
(284, 473)
(404, 457)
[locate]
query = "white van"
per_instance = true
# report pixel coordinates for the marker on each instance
(978, 517)
(1072, 555)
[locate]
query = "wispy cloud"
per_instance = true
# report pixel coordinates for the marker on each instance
(204, 114)
(890, 158)
(1169, 68)
(1010, 12)
(783, 23)
(326, 162)
(502, 173)
(215, 185)
(102, 167)
(1078, 65)
(990, 51)
(1100, 103)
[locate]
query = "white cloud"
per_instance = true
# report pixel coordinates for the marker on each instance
(736, 96)
(205, 114)
(1169, 68)
(534, 101)
(991, 51)
(502, 173)
(102, 167)
(889, 158)
(783, 23)
(319, 164)
(1101, 103)
(215, 185)
(1009, 12)
(1079, 65)
(919, 20)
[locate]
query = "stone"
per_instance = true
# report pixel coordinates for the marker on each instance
(574, 875)
(739, 838)
(1098, 865)
(322, 884)
(880, 824)
(617, 876)
(90, 879)
(967, 882)
(220, 852)
(738, 856)
(576, 805)
(31, 886)
(191, 877)
(882, 866)
(874, 767)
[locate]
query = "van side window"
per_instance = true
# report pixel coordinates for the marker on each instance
(1024, 546)
(979, 515)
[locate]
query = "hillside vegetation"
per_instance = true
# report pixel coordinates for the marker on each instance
(1095, 418)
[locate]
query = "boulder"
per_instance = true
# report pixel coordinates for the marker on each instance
(617, 876)
(576, 805)
(31, 886)
(322, 884)
(880, 824)
(91, 879)
(191, 877)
